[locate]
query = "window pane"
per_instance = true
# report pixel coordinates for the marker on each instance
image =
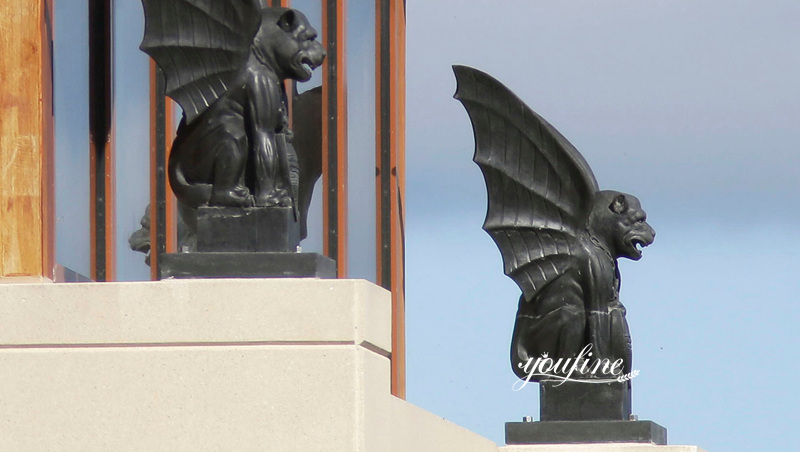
(312, 9)
(360, 48)
(131, 135)
(71, 109)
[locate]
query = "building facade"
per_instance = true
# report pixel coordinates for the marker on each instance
(86, 135)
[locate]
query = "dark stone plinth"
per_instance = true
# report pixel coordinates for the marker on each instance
(575, 432)
(246, 265)
(583, 401)
(247, 229)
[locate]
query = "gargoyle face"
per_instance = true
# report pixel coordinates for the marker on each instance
(289, 42)
(619, 222)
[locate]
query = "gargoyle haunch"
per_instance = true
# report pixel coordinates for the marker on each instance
(559, 235)
(224, 63)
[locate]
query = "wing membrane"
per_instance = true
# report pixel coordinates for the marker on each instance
(540, 189)
(201, 45)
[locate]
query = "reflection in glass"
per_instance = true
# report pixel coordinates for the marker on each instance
(312, 9)
(71, 110)
(131, 135)
(313, 243)
(360, 57)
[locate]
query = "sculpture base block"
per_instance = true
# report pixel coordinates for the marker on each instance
(247, 229)
(582, 432)
(577, 401)
(246, 265)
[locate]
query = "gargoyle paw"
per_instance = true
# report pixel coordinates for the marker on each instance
(231, 198)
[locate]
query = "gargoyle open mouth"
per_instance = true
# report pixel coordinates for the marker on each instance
(637, 242)
(304, 65)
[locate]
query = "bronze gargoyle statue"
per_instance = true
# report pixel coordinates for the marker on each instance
(225, 62)
(559, 235)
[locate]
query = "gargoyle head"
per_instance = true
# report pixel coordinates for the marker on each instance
(286, 42)
(618, 221)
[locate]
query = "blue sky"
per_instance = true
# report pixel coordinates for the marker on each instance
(692, 106)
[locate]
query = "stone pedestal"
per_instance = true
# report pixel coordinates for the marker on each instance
(246, 265)
(576, 432)
(574, 412)
(246, 242)
(247, 229)
(584, 401)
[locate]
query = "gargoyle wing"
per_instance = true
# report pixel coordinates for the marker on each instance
(201, 45)
(540, 189)
(307, 127)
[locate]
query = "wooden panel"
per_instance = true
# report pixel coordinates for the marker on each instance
(390, 174)
(397, 63)
(26, 235)
(171, 202)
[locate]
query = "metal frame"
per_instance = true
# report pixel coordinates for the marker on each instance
(101, 131)
(334, 134)
(163, 220)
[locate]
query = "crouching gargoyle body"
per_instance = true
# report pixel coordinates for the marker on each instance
(225, 63)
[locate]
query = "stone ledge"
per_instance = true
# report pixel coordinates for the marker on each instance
(24, 280)
(196, 312)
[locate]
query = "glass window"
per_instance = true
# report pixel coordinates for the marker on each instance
(312, 9)
(360, 57)
(131, 135)
(71, 111)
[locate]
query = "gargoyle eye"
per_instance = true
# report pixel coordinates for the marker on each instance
(287, 21)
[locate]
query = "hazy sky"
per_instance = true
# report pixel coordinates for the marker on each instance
(692, 106)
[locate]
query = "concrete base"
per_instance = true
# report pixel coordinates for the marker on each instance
(207, 365)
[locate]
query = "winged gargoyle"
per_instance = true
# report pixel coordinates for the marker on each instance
(225, 62)
(559, 235)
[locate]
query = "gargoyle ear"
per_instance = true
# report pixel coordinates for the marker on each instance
(286, 22)
(619, 204)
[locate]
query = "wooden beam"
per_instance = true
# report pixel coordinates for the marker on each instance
(26, 139)
(397, 118)
(390, 174)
